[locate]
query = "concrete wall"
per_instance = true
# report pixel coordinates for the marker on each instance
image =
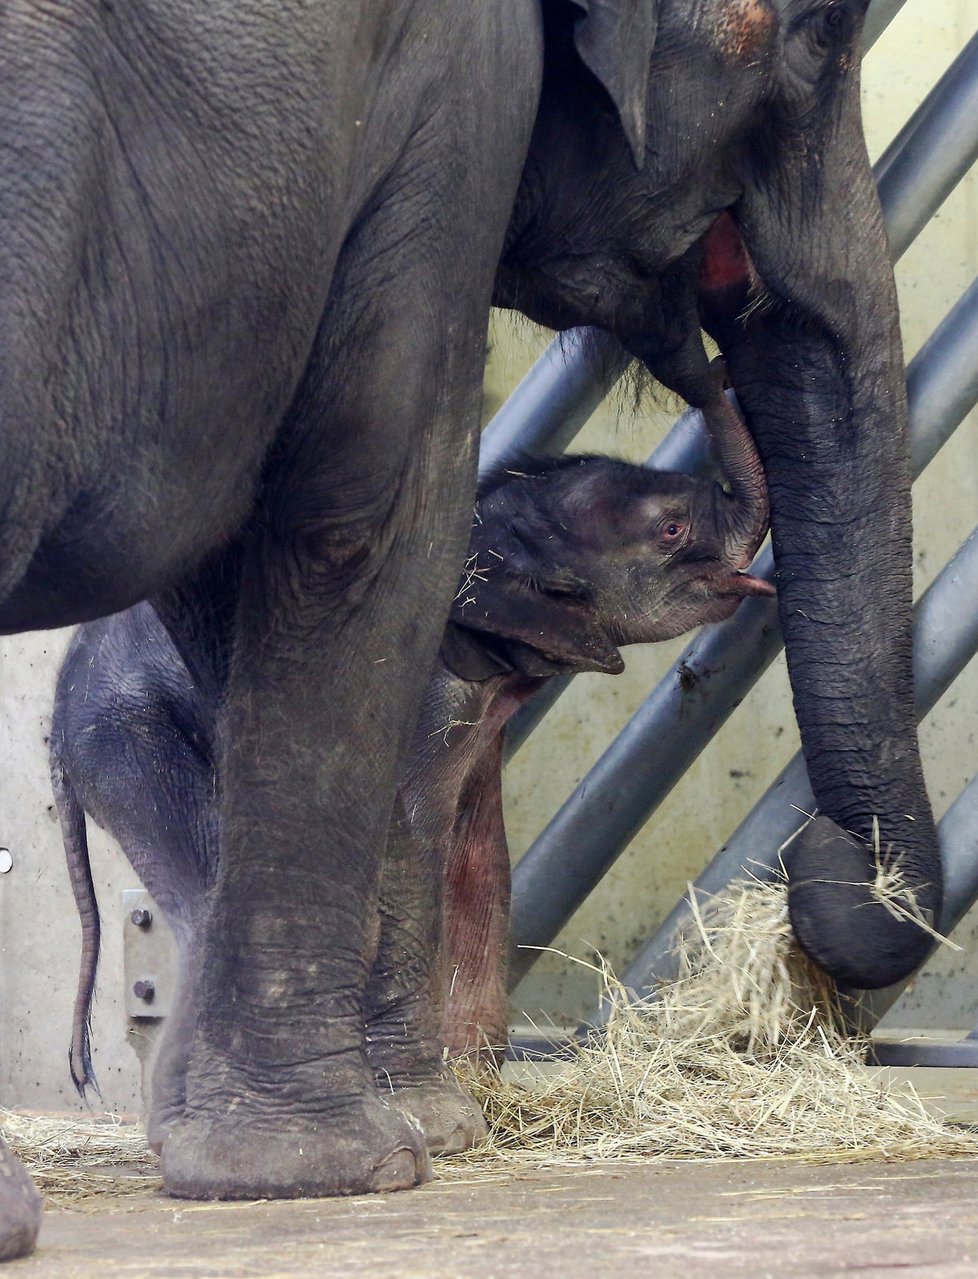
(39, 936)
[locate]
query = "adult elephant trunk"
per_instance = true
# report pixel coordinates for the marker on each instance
(816, 361)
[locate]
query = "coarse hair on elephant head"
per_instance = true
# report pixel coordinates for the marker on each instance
(703, 164)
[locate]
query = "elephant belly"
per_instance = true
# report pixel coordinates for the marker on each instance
(124, 539)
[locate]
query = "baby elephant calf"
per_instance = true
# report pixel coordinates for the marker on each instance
(569, 559)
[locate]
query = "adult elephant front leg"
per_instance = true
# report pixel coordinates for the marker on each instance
(347, 576)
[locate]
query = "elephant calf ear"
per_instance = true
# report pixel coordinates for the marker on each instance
(614, 39)
(561, 627)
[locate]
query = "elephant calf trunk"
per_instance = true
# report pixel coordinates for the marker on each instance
(744, 514)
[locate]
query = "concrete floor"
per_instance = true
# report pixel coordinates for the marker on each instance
(686, 1220)
(611, 1221)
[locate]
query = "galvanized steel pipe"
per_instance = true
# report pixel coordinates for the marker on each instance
(928, 157)
(945, 639)
(640, 767)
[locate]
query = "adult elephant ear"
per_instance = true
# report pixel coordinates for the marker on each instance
(614, 39)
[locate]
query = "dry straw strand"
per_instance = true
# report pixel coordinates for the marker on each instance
(747, 1055)
(74, 1159)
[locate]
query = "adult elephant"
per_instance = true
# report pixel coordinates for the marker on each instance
(246, 261)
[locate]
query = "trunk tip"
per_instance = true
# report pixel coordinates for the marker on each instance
(844, 917)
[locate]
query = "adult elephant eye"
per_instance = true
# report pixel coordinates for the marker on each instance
(673, 531)
(828, 25)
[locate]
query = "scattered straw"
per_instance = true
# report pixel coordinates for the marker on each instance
(72, 1159)
(894, 892)
(747, 1054)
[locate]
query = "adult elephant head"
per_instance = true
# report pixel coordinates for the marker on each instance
(703, 163)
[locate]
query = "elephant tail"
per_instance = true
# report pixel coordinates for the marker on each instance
(75, 836)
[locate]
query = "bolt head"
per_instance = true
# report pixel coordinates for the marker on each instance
(142, 917)
(144, 990)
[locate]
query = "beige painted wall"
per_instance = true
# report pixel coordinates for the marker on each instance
(38, 929)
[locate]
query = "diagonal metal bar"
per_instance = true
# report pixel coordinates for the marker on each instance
(879, 16)
(945, 640)
(556, 397)
(926, 160)
(640, 767)
(915, 176)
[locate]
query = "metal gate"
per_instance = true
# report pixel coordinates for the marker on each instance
(918, 171)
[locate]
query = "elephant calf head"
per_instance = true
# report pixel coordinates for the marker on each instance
(569, 559)
(572, 557)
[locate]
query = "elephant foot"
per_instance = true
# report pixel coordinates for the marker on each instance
(478, 1033)
(168, 1070)
(449, 1118)
(168, 1099)
(20, 1208)
(366, 1147)
(839, 918)
(160, 1122)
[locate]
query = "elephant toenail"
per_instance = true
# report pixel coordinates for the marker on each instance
(399, 1171)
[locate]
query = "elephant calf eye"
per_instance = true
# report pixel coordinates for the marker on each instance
(672, 531)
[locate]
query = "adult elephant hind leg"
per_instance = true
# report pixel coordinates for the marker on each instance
(168, 1072)
(20, 1208)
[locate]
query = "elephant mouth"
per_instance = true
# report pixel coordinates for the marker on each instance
(740, 585)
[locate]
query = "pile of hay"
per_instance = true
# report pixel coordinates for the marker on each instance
(72, 1159)
(746, 1055)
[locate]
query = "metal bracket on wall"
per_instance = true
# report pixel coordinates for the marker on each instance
(149, 968)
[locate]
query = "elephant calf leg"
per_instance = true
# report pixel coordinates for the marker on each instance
(477, 918)
(404, 1000)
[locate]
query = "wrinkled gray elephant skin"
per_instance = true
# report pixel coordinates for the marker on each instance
(246, 260)
(568, 559)
(245, 263)
(20, 1208)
